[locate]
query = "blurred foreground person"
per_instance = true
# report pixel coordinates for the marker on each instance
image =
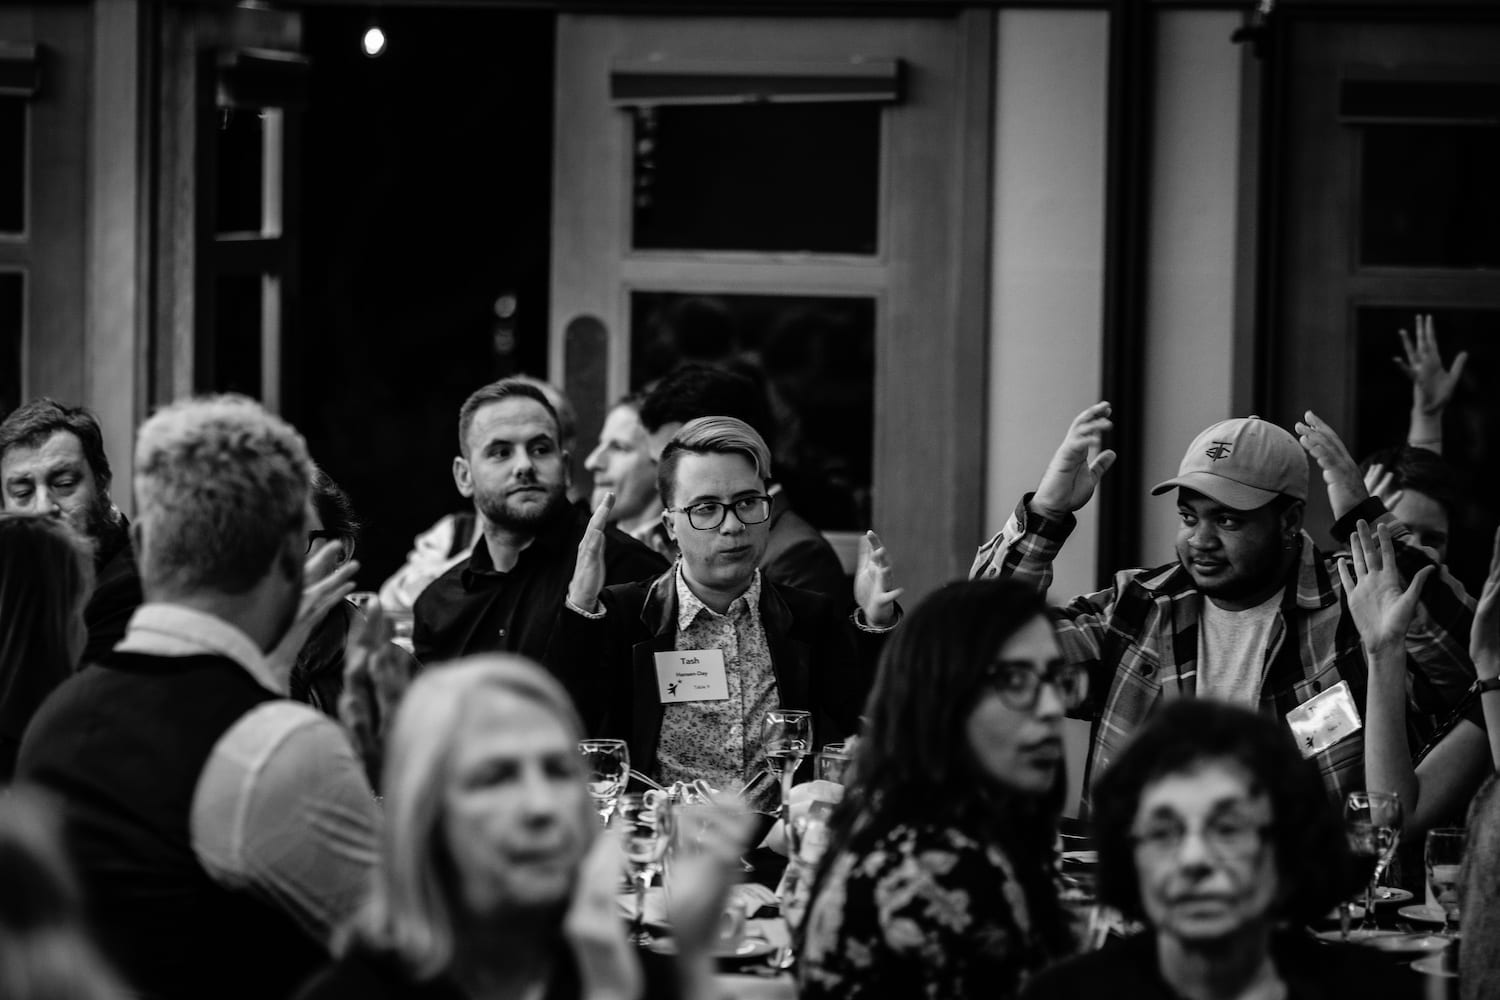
(1215, 834)
(494, 879)
(52, 461)
(938, 880)
(220, 831)
(45, 579)
(45, 953)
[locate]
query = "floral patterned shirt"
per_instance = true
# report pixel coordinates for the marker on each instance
(928, 911)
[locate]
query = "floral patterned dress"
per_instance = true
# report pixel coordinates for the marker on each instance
(928, 911)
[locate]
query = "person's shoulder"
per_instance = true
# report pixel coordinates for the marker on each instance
(1317, 968)
(366, 975)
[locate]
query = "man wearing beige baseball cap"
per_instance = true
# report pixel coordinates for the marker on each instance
(1251, 611)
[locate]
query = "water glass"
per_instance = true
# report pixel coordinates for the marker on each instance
(1444, 856)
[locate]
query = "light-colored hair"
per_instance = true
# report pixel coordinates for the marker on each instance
(415, 905)
(219, 484)
(710, 436)
(46, 575)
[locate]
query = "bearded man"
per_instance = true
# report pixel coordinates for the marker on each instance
(52, 462)
(506, 595)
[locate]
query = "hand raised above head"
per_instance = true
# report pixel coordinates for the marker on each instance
(873, 582)
(325, 582)
(1381, 607)
(1432, 385)
(588, 568)
(1346, 487)
(1380, 482)
(1077, 466)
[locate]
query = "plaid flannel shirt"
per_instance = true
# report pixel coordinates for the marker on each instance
(1139, 640)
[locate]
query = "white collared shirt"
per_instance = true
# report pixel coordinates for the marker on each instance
(282, 808)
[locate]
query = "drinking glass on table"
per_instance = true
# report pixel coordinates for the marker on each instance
(1372, 824)
(786, 736)
(647, 833)
(607, 763)
(1444, 857)
(831, 764)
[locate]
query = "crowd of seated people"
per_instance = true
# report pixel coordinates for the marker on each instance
(220, 777)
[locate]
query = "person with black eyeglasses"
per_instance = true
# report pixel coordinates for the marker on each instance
(938, 880)
(685, 667)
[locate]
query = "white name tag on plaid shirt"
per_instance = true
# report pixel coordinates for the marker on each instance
(1324, 719)
(691, 675)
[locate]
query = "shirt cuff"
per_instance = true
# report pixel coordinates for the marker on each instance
(1370, 509)
(591, 615)
(1032, 523)
(858, 618)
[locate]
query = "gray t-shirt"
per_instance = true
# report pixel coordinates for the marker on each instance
(1232, 650)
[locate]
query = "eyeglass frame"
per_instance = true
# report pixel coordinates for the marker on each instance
(993, 673)
(1170, 846)
(724, 511)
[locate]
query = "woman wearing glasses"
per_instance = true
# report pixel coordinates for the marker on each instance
(1216, 835)
(939, 878)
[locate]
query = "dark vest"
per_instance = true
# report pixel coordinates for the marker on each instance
(122, 744)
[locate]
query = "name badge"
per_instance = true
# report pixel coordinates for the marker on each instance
(691, 675)
(1324, 719)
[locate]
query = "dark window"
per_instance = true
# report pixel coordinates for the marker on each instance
(240, 157)
(12, 320)
(758, 177)
(1471, 426)
(235, 365)
(816, 357)
(12, 165)
(1429, 197)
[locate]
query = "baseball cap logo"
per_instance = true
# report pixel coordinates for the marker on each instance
(1219, 449)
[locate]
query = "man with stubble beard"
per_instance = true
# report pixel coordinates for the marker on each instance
(506, 595)
(1250, 612)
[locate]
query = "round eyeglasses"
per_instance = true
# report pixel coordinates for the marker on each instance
(710, 514)
(1226, 839)
(1020, 686)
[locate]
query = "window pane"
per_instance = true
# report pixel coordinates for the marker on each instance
(12, 165)
(767, 177)
(12, 318)
(1429, 196)
(239, 156)
(1471, 428)
(816, 356)
(235, 354)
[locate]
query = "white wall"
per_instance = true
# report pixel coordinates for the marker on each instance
(1189, 360)
(1048, 263)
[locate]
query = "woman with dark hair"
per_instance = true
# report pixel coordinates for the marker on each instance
(46, 576)
(1218, 836)
(939, 878)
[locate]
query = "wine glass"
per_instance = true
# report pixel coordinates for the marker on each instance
(647, 833)
(786, 737)
(1445, 857)
(608, 765)
(831, 765)
(1372, 824)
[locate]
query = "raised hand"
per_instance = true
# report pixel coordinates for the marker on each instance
(1380, 483)
(1077, 466)
(1431, 384)
(1484, 637)
(588, 568)
(607, 965)
(1346, 487)
(377, 673)
(1382, 609)
(324, 584)
(872, 582)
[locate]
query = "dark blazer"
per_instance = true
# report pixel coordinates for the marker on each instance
(116, 595)
(823, 662)
(797, 555)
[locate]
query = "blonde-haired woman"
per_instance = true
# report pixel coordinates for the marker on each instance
(493, 883)
(46, 575)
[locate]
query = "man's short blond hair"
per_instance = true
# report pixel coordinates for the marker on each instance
(710, 436)
(219, 485)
